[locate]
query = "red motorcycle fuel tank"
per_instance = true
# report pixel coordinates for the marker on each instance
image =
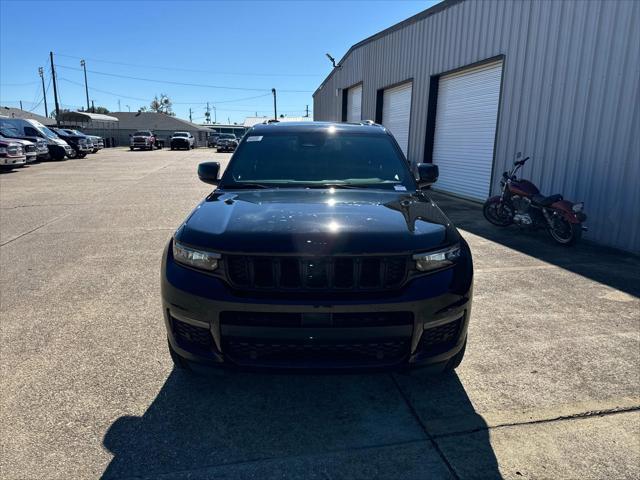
(523, 187)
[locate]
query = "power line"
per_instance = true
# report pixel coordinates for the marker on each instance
(255, 74)
(105, 91)
(185, 84)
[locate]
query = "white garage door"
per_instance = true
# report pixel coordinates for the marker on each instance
(396, 112)
(466, 118)
(354, 104)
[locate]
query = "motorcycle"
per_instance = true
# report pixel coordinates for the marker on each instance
(521, 203)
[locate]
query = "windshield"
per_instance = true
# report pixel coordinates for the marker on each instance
(142, 134)
(48, 132)
(180, 134)
(228, 135)
(9, 131)
(317, 159)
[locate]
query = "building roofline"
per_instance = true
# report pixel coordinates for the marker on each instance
(437, 8)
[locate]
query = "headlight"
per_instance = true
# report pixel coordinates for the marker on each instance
(195, 258)
(428, 261)
(3, 150)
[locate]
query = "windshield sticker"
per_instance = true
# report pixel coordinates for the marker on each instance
(254, 138)
(400, 188)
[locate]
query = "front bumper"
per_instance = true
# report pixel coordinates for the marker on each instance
(13, 160)
(425, 323)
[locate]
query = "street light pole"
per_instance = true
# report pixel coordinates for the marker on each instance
(44, 91)
(86, 87)
(275, 109)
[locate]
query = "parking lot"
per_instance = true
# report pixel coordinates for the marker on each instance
(549, 388)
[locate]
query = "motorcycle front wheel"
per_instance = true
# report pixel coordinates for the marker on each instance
(565, 233)
(498, 213)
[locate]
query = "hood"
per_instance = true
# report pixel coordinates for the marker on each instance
(317, 222)
(58, 141)
(18, 140)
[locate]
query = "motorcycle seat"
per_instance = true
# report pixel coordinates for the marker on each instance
(546, 201)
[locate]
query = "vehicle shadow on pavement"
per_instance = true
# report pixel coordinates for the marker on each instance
(253, 425)
(608, 266)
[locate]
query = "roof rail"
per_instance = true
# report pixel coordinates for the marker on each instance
(369, 122)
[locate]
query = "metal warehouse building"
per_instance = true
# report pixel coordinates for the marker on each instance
(467, 84)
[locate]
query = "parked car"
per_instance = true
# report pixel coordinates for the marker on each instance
(89, 140)
(79, 143)
(144, 140)
(318, 248)
(29, 129)
(181, 140)
(11, 154)
(227, 142)
(98, 142)
(212, 139)
(11, 132)
(29, 148)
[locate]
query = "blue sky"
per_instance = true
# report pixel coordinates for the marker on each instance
(247, 46)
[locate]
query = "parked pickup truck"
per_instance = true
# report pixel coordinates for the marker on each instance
(29, 148)
(79, 143)
(41, 148)
(11, 154)
(145, 140)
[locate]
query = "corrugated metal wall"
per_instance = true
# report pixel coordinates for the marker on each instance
(569, 99)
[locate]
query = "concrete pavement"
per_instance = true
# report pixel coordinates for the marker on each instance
(550, 386)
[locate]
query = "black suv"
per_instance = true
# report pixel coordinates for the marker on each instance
(319, 248)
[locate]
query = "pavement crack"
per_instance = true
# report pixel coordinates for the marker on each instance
(430, 437)
(34, 229)
(559, 418)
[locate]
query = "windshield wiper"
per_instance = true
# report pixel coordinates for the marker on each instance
(334, 185)
(240, 186)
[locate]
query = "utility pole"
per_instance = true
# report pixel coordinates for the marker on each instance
(55, 89)
(208, 114)
(275, 108)
(128, 107)
(307, 114)
(20, 104)
(215, 115)
(119, 108)
(93, 107)
(83, 64)
(44, 92)
(190, 115)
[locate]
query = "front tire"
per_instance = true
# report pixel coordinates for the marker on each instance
(498, 213)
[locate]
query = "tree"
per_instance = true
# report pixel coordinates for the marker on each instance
(100, 110)
(162, 105)
(62, 110)
(143, 109)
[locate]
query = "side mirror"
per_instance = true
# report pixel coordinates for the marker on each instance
(208, 172)
(427, 174)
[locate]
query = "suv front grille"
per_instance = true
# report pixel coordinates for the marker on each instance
(277, 319)
(321, 273)
(293, 354)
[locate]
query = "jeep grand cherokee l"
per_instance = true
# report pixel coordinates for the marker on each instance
(319, 248)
